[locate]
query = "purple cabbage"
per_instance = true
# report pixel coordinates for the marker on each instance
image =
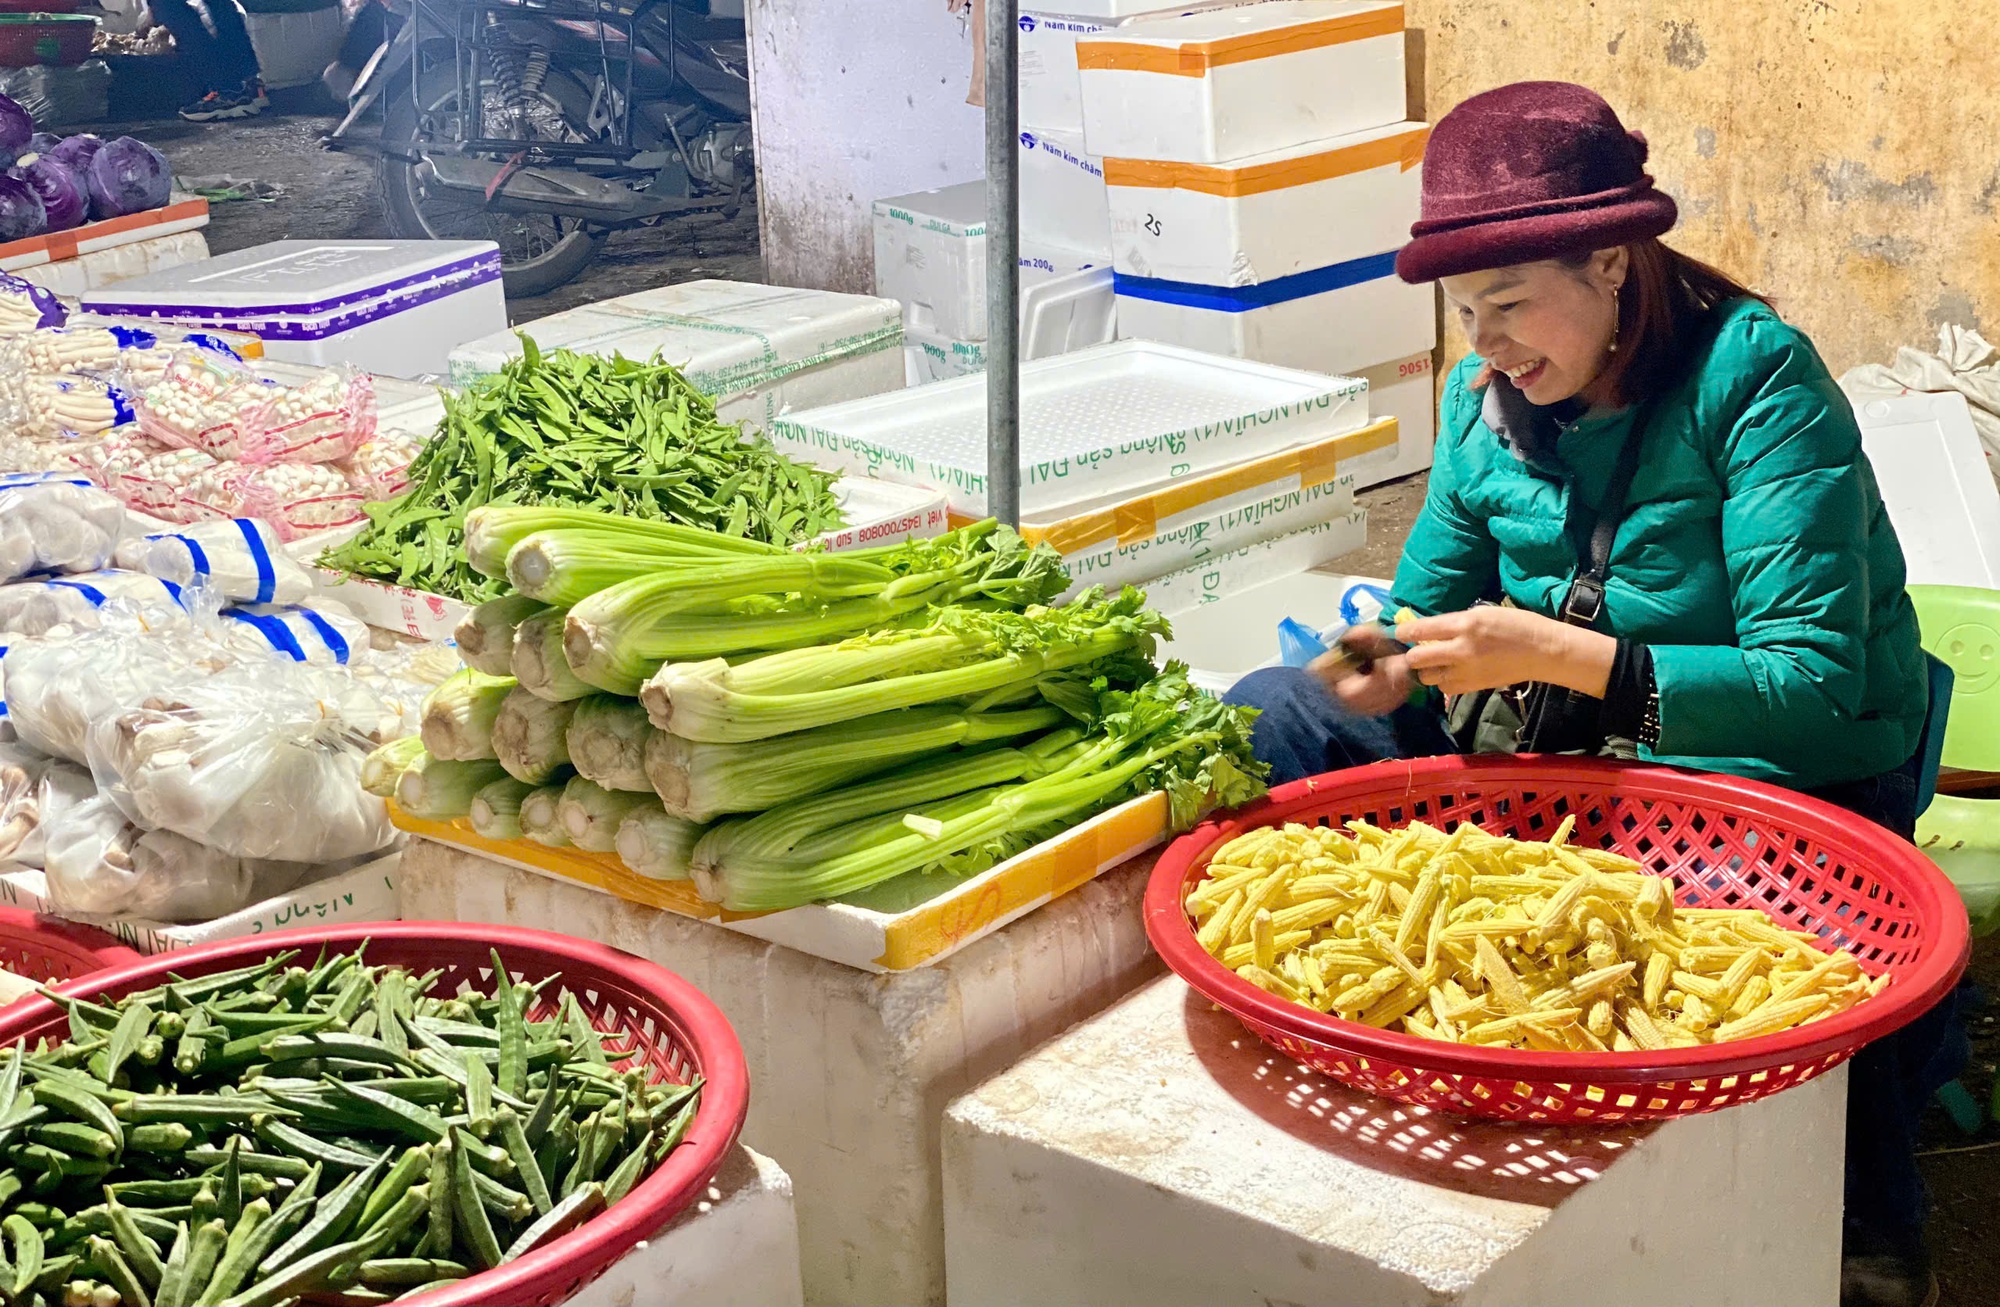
(64, 200)
(128, 176)
(42, 143)
(16, 130)
(75, 153)
(21, 211)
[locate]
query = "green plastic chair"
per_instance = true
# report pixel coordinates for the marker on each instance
(1961, 627)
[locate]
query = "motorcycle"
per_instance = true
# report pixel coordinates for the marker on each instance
(545, 125)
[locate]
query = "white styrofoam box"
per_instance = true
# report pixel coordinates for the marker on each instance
(294, 48)
(1225, 84)
(1225, 567)
(850, 1067)
(930, 254)
(1324, 515)
(933, 357)
(389, 307)
(1406, 391)
(878, 513)
(1093, 424)
(1059, 315)
(76, 277)
(1269, 216)
(1225, 612)
(1335, 320)
(363, 893)
(758, 350)
(1049, 94)
(1161, 1154)
(737, 1245)
(1936, 486)
(1046, 261)
(1063, 200)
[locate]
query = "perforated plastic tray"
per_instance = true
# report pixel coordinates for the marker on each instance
(1096, 423)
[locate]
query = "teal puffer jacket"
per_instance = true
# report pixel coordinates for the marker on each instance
(1755, 559)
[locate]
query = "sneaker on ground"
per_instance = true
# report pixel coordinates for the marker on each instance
(253, 91)
(217, 106)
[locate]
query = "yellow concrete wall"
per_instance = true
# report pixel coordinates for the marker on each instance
(1842, 156)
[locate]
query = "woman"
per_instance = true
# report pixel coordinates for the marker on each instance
(1649, 497)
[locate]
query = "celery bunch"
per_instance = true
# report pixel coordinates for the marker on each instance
(971, 811)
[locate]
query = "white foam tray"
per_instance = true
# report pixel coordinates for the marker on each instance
(1096, 423)
(1937, 487)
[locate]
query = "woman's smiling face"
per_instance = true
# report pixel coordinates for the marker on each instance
(1548, 326)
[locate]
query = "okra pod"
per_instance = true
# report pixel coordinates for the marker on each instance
(159, 1137)
(237, 1259)
(140, 1251)
(24, 1252)
(332, 1219)
(393, 1113)
(133, 1024)
(297, 1142)
(566, 1216)
(200, 1109)
(413, 1163)
(438, 1239)
(74, 1138)
(469, 1210)
(408, 1272)
(478, 1093)
(278, 1166)
(107, 1260)
(516, 1140)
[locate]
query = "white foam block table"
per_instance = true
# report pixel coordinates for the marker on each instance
(850, 1071)
(736, 1247)
(1159, 1154)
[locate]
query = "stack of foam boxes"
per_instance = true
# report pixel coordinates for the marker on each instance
(1260, 178)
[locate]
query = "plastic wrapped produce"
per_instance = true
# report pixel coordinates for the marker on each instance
(100, 863)
(324, 420)
(158, 483)
(56, 524)
(51, 404)
(25, 307)
(305, 634)
(56, 788)
(262, 760)
(297, 499)
(57, 687)
(203, 402)
(34, 608)
(380, 468)
(238, 559)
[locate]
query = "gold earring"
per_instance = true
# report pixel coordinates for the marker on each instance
(1614, 321)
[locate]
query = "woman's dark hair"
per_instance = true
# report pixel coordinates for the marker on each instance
(1662, 310)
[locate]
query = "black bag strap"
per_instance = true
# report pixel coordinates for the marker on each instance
(1583, 604)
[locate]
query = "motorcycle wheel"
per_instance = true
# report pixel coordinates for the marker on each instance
(538, 252)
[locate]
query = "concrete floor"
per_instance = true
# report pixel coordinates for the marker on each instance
(333, 196)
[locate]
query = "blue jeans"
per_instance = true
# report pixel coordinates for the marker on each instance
(1304, 731)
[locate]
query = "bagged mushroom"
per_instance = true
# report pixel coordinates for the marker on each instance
(239, 559)
(56, 687)
(262, 760)
(35, 797)
(100, 863)
(54, 523)
(307, 634)
(34, 608)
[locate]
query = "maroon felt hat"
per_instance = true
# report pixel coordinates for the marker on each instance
(1536, 170)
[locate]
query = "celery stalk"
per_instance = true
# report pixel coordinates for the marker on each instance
(459, 715)
(964, 653)
(485, 637)
(439, 789)
(1163, 735)
(381, 769)
(492, 531)
(496, 809)
(589, 814)
(541, 819)
(655, 844)
(703, 781)
(538, 658)
(607, 742)
(530, 736)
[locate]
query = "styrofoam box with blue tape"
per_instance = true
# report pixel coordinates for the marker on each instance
(759, 350)
(388, 307)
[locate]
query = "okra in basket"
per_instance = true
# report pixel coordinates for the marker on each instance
(328, 1133)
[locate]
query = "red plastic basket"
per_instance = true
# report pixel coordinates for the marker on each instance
(1724, 842)
(50, 949)
(678, 1031)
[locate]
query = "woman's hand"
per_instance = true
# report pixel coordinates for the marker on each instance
(1382, 684)
(1490, 647)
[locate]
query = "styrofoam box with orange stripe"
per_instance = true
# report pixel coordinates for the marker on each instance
(1226, 84)
(1404, 389)
(1049, 98)
(181, 214)
(1149, 536)
(1269, 216)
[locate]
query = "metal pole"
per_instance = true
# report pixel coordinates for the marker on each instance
(1003, 265)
